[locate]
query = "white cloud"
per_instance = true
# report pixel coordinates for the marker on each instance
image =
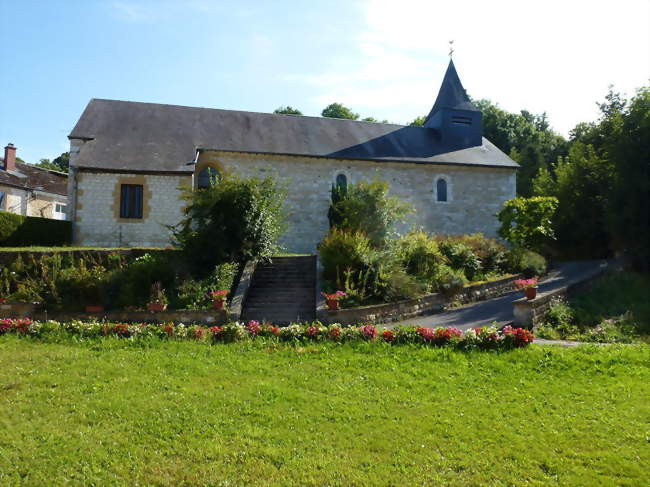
(554, 56)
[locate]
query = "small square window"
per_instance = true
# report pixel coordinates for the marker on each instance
(131, 201)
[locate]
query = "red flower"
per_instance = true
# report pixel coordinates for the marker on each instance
(198, 333)
(388, 336)
(335, 333)
(312, 331)
(216, 331)
(122, 330)
(169, 329)
(275, 330)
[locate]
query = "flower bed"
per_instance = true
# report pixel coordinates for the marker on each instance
(487, 337)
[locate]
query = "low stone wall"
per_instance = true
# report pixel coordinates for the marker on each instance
(429, 304)
(487, 290)
(383, 313)
(238, 299)
(531, 312)
(35, 312)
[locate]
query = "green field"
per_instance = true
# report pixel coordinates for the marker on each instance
(153, 412)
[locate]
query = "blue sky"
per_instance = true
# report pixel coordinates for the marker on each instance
(382, 58)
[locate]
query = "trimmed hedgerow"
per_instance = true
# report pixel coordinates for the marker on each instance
(487, 337)
(18, 231)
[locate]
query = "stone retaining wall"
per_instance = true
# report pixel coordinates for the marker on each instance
(35, 312)
(432, 303)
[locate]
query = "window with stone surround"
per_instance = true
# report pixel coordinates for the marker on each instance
(131, 201)
(441, 189)
(208, 177)
(2, 200)
(341, 182)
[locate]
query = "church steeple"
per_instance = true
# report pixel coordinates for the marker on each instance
(453, 114)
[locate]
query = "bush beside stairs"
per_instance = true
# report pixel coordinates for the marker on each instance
(282, 291)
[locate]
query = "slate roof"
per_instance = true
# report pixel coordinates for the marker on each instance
(151, 137)
(452, 95)
(29, 177)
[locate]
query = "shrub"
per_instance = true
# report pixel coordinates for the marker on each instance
(342, 250)
(192, 294)
(131, 285)
(461, 257)
(491, 252)
(82, 285)
(366, 207)
(397, 284)
(233, 221)
(21, 231)
(449, 281)
(420, 256)
(527, 262)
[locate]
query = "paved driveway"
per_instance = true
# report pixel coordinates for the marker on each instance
(500, 309)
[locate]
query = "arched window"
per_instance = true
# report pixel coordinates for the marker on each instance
(207, 177)
(441, 190)
(342, 182)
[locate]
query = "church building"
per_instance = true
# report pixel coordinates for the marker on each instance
(129, 162)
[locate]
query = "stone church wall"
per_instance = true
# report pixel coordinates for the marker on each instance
(97, 219)
(475, 194)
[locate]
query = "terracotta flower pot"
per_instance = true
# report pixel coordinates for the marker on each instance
(155, 307)
(218, 303)
(530, 292)
(94, 309)
(333, 304)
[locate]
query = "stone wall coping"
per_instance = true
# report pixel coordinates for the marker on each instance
(237, 301)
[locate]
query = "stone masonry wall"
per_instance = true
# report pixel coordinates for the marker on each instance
(97, 221)
(475, 194)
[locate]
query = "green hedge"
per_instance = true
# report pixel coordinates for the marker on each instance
(18, 231)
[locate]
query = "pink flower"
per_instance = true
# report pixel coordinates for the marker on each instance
(369, 332)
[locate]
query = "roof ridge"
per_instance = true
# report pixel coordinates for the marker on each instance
(247, 111)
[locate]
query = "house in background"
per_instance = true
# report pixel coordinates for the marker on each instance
(129, 161)
(30, 190)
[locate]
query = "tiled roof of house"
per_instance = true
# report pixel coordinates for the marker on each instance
(29, 177)
(133, 136)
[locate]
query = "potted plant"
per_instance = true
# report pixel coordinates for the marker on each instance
(529, 287)
(332, 299)
(158, 300)
(218, 298)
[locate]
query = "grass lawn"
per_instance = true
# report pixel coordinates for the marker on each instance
(152, 412)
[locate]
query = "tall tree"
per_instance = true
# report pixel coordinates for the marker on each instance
(629, 148)
(336, 110)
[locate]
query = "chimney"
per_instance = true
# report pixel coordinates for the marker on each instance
(10, 158)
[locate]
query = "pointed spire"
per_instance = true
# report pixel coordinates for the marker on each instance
(452, 94)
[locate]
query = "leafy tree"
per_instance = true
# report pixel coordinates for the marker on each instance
(233, 221)
(526, 223)
(418, 122)
(61, 163)
(629, 211)
(367, 208)
(288, 110)
(336, 110)
(580, 185)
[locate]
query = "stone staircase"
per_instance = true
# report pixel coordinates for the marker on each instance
(282, 291)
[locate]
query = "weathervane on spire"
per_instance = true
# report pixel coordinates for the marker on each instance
(451, 48)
